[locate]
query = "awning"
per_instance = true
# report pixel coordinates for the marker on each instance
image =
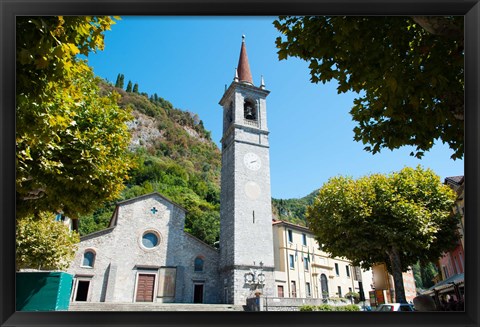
(447, 283)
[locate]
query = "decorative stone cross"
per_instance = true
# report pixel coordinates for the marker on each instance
(154, 210)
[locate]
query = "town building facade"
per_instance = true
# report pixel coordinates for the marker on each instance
(303, 270)
(453, 262)
(383, 286)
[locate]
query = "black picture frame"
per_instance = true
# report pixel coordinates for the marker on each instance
(9, 9)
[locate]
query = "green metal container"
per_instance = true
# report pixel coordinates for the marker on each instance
(43, 291)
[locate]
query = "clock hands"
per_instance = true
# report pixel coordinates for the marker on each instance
(252, 161)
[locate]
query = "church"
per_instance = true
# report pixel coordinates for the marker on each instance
(145, 255)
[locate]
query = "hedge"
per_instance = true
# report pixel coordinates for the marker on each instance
(328, 307)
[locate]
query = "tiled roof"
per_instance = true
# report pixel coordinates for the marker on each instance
(291, 225)
(454, 179)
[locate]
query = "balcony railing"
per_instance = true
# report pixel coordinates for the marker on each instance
(249, 122)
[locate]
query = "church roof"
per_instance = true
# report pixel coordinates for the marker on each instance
(150, 195)
(113, 220)
(454, 180)
(243, 69)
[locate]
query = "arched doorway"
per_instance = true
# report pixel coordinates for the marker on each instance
(324, 286)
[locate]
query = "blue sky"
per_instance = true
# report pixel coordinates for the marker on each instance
(188, 61)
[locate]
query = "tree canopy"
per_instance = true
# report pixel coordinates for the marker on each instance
(71, 140)
(408, 72)
(397, 219)
(43, 243)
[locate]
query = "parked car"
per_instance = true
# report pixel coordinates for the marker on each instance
(395, 307)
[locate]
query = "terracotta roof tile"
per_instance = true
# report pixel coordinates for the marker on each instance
(243, 69)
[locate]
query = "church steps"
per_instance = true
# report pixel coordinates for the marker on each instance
(106, 306)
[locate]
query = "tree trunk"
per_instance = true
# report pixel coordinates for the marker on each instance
(396, 265)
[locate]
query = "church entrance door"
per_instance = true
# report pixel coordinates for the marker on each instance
(198, 293)
(145, 287)
(82, 290)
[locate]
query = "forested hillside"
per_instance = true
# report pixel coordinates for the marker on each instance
(292, 210)
(174, 156)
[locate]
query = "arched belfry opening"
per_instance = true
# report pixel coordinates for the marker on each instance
(228, 116)
(249, 110)
(230, 113)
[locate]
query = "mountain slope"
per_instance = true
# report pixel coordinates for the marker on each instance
(292, 210)
(175, 156)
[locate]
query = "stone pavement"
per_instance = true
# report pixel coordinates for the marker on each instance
(106, 306)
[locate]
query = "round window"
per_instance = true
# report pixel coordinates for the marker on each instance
(150, 240)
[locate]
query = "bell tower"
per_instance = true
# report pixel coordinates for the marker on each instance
(246, 241)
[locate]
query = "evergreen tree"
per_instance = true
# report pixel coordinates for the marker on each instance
(119, 83)
(129, 86)
(135, 88)
(122, 78)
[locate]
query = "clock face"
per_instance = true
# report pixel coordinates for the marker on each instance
(252, 161)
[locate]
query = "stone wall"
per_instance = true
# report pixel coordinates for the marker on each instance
(281, 304)
(209, 277)
(246, 240)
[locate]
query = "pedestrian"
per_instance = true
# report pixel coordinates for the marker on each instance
(424, 303)
(444, 304)
(452, 304)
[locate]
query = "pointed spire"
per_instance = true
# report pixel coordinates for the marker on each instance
(244, 74)
(236, 75)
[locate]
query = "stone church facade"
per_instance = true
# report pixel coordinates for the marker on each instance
(145, 256)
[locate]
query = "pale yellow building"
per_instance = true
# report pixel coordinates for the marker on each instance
(383, 283)
(304, 271)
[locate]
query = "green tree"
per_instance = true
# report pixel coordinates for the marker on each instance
(206, 226)
(135, 88)
(43, 243)
(408, 71)
(399, 219)
(71, 142)
(424, 275)
(120, 81)
(129, 86)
